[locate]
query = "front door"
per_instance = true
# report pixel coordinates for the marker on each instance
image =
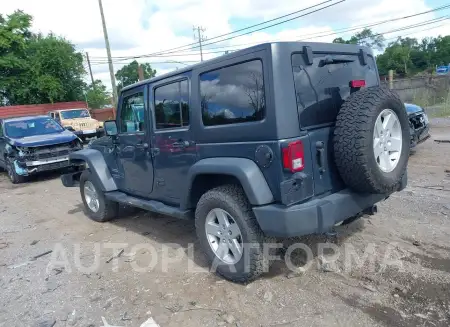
(174, 148)
(133, 144)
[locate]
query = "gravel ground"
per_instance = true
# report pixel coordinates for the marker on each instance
(404, 281)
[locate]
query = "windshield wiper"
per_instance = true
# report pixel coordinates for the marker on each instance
(331, 61)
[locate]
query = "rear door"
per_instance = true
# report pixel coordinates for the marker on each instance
(322, 83)
(174, 149)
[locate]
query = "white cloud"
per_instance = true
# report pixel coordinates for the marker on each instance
(139, 27)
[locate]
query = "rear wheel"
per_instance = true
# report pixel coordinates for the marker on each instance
(230, 235)
(96, 206)
(371, 141)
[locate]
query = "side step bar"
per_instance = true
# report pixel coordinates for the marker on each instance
(149, 205)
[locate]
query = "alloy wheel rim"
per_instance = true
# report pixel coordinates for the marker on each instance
(224, 236)
(387, 140)
(91, 196)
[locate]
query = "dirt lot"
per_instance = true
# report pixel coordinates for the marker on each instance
(404, 281)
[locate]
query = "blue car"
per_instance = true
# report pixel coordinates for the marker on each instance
(418, 124)
(33, 144)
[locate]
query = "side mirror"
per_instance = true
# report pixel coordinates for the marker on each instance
(69, 128)
(110, 127)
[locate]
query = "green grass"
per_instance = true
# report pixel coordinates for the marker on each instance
(441, 112)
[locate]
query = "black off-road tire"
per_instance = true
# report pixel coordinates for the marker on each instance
(13, 176)
(107, 209)
(353, 141)
(232, 199)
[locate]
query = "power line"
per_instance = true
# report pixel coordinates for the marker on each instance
(406, 27)
(316, 35)
(425, 29)
(153, 63)
(424, 23)
(249, 27)
(242, 29)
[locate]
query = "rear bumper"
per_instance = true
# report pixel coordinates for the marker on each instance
(315, 216)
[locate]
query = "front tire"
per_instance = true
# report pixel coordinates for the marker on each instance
(96, 206)
(230, 235)
(13, 176)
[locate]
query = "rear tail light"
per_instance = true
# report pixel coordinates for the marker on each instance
(358, 83)
(294, 156)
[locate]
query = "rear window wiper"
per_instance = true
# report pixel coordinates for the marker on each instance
(331, 61)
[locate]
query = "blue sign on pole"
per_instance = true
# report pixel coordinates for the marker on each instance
(443, 70)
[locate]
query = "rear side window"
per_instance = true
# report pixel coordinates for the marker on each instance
(172, 105)
(322, 87)
(233, 94)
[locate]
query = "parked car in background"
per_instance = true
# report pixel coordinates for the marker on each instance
(33, 144)
(78, 121)
(418, 123)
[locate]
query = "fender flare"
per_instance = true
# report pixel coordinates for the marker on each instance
(97, 166)
(245, 170)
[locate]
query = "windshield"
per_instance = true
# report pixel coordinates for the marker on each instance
(32, 127)
(71, 114)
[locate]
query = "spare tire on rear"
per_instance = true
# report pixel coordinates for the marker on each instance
(371, 141)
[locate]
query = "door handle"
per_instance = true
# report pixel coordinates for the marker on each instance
(320, 146)
(142, 145)
(181, 144)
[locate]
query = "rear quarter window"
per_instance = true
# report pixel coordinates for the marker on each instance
(321, 88)
(233, 94)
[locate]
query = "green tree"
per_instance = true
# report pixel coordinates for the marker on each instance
(37, 68)
(97, 96)
(405, 56)
(128, 74)
(366, 37)
(442, 50)
(14, 34)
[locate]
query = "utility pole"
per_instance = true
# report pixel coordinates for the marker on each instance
(108, 53)
(200, 38)
(90, 70)
(140, 72)
(391, 79)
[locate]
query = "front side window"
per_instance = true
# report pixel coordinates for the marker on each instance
(172, 105)
(130, 120)
(233, 94)
(32, 127)
(75, 113)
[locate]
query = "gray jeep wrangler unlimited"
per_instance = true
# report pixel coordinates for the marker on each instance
(277, 140)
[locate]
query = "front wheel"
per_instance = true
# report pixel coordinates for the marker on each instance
(230, 235)
(12, 174)
(96, 206)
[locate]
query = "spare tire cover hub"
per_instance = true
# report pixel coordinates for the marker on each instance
(387, 140)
